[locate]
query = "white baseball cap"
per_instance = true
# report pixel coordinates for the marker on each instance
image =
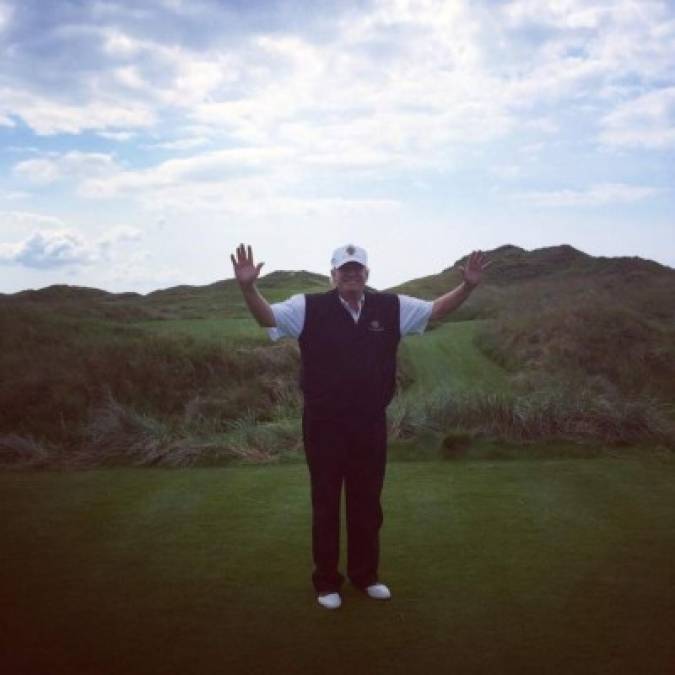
(349, 253)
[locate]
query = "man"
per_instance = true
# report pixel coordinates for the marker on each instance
(348, 340)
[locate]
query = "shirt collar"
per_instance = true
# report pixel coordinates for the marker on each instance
(362, 299)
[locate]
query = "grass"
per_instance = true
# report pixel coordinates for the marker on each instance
(556, 356)
(559, 566)
(447, 358)
(222, 331)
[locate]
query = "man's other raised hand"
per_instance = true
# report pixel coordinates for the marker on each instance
(474, 267)
(245, 271)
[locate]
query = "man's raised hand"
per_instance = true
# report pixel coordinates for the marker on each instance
(245, 271)
(474, 268)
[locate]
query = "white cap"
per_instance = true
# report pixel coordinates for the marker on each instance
(349, 253)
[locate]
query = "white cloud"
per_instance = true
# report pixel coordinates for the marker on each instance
(5, 16)
(130, 77)
(22, 220)
(181, 143)
(48, 249)
(64, 247)
(271, 118)
(208, 167)
(558, 13)
(72, 164)
(397, 82)
(107, 245)
(119, 136)
(597, 195)
(646, 121)
(8, 195)
(48, 116)
(543, 125)
(38, 171)
(117, 43)
(120, 233)
(506, 171)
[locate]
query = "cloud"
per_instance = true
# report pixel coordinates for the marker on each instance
(38, 171)
(5, 16)
(565, 14)
(597, 195)
(72, 164)
(390, 83)
(119, 136)
(214, 166)
(295, 113)
(47, 249)
(506, 172)
(48, 115)
(64, 247)
(181, 143)
(22, 220)
(646, 121)
(7, 195)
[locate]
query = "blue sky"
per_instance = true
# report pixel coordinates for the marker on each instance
(141, 142)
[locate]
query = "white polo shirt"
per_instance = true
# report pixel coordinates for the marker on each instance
(290, 315)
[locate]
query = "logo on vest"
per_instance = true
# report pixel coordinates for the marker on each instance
(376, 326)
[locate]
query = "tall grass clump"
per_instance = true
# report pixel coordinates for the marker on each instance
(25, 452)
(116, 434)
(576, 415)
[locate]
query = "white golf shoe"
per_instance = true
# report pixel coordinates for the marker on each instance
(379, 592)
(329, 600)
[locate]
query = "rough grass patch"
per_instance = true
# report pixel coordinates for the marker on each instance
(577, 415)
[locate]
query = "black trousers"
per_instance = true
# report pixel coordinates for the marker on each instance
(350, 450)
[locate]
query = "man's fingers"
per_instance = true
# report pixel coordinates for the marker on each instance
(250, 254)
(234, 262)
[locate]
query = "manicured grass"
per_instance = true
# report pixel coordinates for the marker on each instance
(446, 357)
(558, 566)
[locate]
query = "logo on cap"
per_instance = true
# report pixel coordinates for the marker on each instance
(351, 250)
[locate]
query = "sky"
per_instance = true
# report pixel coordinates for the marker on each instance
(140, 143)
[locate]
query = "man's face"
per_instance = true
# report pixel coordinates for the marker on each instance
(351, 278)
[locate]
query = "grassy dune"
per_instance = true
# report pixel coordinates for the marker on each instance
(555, 345)
(496, 567)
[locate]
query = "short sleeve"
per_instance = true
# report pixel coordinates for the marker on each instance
(414, 314)
(289, 317)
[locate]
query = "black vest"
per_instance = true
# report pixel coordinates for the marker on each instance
(349, 368)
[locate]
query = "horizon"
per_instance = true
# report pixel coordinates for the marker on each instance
(139, 145)
(327, 276)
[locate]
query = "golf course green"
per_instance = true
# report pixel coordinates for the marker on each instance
(513, 566)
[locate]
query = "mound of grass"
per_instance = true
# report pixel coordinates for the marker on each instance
(595, 339)
(57, 370)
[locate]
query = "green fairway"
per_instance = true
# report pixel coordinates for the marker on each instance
(496, 567)
(446, 357)
(212, 330)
